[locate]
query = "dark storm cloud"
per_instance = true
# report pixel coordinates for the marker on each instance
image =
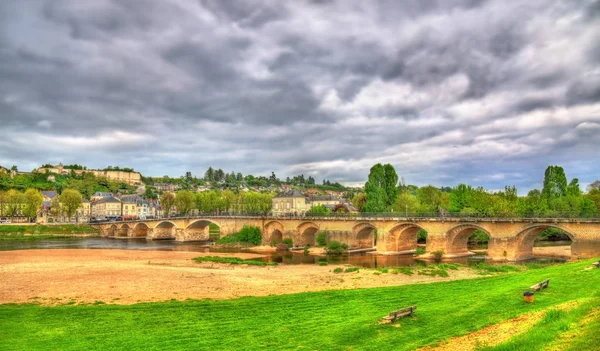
(484, 92)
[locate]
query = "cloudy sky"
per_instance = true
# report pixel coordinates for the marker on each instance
(484, 92)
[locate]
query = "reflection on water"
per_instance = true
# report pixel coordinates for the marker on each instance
(361, 260)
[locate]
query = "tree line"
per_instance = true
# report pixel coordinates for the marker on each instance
(186, 202)
(28, 204)
(557, 197)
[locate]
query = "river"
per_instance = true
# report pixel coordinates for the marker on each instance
(361, 260)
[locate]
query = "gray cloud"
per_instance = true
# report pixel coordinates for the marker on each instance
(484, 92)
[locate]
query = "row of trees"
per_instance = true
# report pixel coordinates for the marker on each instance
(29, 203)
(383, 194)
(186, 202)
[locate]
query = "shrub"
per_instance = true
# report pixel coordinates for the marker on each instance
(322, 238)
(421, 236)
(419, 251)
(404, 270)
(479, 237)
(248, 234)
(306, 252)
(336, 248)
(338, 270)
(452, 266)
(351, 269)
(233, 260)
(437, 255)
(281, 247)
(432, 272)
(322, 263)
(288, 242)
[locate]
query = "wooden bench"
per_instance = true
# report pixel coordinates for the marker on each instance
(395, 315)
(541, 285)
(596, 264)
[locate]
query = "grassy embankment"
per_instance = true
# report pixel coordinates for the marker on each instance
(327, 320)
(34, 232)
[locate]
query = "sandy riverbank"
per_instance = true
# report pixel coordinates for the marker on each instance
(130, 276)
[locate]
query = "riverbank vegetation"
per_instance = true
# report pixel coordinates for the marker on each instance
(326, 320)
(247, 235)
(233, 260)
(64, 229)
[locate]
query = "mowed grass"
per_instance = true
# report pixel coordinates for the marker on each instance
(329, 320)
(29, 232)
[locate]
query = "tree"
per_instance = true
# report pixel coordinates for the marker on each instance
(14, 202)
(71, 200)
(33, 202)
(555, 183)
(594, 185)
(573, 188)
(184, 201)
(167, 200)
(359, 201)
(55, 210)
(149, 193)
(406, 202)
(390, 184)
(375, 190)
(209, 175)
(430, 198)
(228, 199)
(188, 176)
(239, 177)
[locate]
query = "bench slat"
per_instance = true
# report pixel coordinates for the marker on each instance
(404, 312)
(541, 285)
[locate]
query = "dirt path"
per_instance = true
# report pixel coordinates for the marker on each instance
(497, 333)
(130, 276)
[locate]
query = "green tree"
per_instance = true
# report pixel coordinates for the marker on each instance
(430, 198)
(587, 208)
(55, 209)
(359, 201)
(573, 188)
(381, 188)
(406, 202)
(184, 201)
(209, 176)
(390, 185)
(71, 200)
(167, 201)
(460, 197)
(14, 202)
(33, 201)
(555, 183)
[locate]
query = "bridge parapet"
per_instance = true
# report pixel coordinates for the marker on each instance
(510, 238)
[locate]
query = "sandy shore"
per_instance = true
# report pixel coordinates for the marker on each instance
(130, 276)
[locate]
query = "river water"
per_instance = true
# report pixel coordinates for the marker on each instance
(296, 257)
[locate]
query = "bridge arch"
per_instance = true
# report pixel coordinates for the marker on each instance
(123, 230)
(364, 235)
(199, 230)
(140, 230)
(112, 230)
(402, 238)
(525, 239)
(457, 238)
(164, 230)
(308, 233)
(274, 232)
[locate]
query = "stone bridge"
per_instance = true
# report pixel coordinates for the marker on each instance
(510, 238)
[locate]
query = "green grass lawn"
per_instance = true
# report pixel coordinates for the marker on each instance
(329, 320)
(24, 232)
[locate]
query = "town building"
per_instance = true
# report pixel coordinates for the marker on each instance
(132, 178)
(166, 187)
(293, 202)
(289, 202)
(49, 195)
(107, 207)
(100, 195)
